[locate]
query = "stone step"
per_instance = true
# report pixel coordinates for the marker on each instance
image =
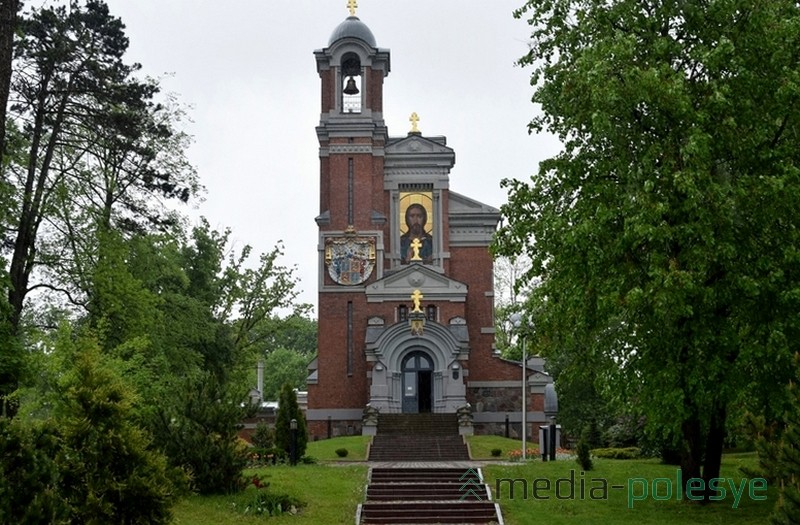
(406, 496)
(417, 424)
(418, 448)
(429, 512)
(464, 492)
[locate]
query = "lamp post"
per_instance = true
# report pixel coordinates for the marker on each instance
(516, 320)
(293, 449)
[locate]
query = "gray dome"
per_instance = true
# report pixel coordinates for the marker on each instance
(352, 27)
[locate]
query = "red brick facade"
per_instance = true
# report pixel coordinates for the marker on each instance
(366, 348)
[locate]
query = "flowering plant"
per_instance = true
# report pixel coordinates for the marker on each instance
(516, 455)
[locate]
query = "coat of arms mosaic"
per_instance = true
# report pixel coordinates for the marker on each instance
(350, 260)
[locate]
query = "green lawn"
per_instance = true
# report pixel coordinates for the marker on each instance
(480, 447)
(330, 492)
(528, 511)
(325, 449)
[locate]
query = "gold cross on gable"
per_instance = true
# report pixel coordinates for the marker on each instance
(352, 5)
(416, 244)
(417, 298)
(414, 118)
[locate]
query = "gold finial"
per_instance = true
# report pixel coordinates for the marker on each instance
(417, 298)
(352, 5)
(414, 118)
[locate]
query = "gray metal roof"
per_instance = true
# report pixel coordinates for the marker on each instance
(352, 27)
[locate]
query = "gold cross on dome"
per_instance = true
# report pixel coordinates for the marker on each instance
(352, 5)
(414, 119)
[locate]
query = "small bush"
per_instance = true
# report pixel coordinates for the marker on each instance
(617, 453)
(584, 452)
(341, 452)
(496, 452)
(308, 460)
(263, 437)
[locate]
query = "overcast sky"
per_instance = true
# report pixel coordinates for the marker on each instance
(246, 68)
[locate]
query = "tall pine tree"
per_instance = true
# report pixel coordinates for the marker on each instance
(288, 409)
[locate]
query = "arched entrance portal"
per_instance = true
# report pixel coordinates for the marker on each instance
(417, 382)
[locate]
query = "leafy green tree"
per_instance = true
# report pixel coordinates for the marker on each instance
(510, 295)
(197, 419)
(296, 332)
(282, 367)
(288, 409)
(665, 233)
(96, 152)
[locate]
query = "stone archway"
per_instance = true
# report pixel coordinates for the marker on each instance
(395, 349)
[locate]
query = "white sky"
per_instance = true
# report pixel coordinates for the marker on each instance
(247, 70)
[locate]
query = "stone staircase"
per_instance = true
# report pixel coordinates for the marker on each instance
(427, 495)
(418, 437)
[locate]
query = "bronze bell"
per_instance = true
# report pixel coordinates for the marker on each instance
(351, 88)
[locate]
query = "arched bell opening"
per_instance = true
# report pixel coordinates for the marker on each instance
(351, 83)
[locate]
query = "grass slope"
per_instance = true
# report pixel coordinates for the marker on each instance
(331, 494)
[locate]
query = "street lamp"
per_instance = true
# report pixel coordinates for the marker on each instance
(293, 449)
(516, 320)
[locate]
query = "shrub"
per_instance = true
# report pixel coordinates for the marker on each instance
(197, 430)
(263, 437)
(584, 454)
(496, 452)
(27, 460)
(341, 452)
(617, 453)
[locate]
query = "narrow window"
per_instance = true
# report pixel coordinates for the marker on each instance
(350, 192)
(431, 312)
(349, 338)
(402, 313)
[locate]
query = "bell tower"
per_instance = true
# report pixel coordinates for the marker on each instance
(351, 132)
(352, 220)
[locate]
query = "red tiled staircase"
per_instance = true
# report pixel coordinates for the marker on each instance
(428, 495)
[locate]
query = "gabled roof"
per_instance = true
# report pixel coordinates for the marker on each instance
(399, 286)
(414, 150)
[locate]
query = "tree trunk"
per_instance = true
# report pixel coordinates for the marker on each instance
(691, 450)
(8, 23)
(714, 444)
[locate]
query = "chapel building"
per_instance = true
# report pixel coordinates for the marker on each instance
(405, 274)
